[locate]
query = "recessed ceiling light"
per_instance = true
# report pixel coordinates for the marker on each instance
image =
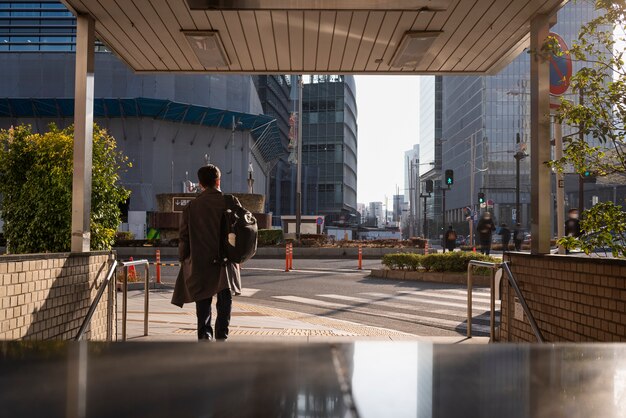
(208, 47)
(412, 48)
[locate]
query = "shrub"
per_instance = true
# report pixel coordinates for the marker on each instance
(450, 262)
(402, 261)
(454, 262)
(36, 185)
(270, 236)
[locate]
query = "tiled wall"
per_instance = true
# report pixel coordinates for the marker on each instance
(572, 298)
(46, 296)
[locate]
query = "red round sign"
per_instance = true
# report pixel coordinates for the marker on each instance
(560, 68)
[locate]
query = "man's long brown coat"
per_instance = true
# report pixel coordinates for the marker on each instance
(198, 250)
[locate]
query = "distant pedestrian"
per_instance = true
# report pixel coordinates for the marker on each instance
(505, 233)
(572, 225)
(485, 229)
(203, 274)
(518, 237)
(449, 240)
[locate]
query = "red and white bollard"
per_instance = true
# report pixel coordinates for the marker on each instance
(291, 256)
(158, 266)
(360, 257)
(286, 256)
(426, 248)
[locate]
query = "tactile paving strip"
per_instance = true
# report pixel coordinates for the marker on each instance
(337, 325)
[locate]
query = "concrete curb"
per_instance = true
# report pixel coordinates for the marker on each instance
(435, 277)
(140, 286)
(276, 252)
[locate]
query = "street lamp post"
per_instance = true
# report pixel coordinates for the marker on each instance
(519, 155)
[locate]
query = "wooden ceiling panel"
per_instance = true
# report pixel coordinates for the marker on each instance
(266, 35)
(216, 22)
(478, 36)
(370, 34)
(325, 40)
(355, 34)
(281, 40)
(311, 36)
(296, 39)
(340, 37)
(251, 33)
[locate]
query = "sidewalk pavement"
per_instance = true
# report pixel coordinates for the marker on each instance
(251, 322)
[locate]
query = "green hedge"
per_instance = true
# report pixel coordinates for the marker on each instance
(270, 236)
(452, 262)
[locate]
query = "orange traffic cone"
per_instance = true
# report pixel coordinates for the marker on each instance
(132, 274)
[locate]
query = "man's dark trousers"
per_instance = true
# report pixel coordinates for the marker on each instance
(203, 312)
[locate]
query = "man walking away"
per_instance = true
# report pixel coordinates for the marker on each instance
(518, 237)
(449, 240)
(572, 225)
(203, 272)
(485, 228)
(505, 233)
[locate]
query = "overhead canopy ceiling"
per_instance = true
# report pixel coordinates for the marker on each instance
(317, 36)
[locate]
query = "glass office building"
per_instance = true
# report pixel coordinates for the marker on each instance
(430, 154)
(482, 116)
(329, 150)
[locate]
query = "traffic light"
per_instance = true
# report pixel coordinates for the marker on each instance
(588, 177)
(481, 198)
(429, 186)
(449, 178)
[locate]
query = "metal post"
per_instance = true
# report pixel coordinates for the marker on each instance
(469, 301)
(581, 183)
(124, 303)
(443, 209)
(425, 220)
(83, 134)
(232, 157)
(540, 137)
(472, 182)
(299, 172)
(146, 300)
(518, 157)
(560, 185)
(492, 306)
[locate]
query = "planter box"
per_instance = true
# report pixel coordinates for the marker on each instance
(428, 276)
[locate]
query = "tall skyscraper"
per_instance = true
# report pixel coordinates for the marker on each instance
(329, 153)
(482, 117)
(430, 153)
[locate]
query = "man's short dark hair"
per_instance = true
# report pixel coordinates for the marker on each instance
(572, 210)
(208, 175)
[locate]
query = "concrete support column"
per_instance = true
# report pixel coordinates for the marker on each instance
(540, 175)
(83, 134)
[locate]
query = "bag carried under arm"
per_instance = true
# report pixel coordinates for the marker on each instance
(239, 232)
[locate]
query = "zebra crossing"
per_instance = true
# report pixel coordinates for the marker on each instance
(439, 308)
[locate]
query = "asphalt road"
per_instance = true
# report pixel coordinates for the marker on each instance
(336, 289)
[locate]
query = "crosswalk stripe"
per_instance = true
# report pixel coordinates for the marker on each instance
(248, 292)
(438, 294)
(393, 305)
(429, 301)
(422, 320)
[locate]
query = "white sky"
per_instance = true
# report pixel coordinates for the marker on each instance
(388, 118)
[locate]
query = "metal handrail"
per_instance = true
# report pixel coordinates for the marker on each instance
(513, 282)
(94, 304)
(518, 292)
(146, 307)
(492, 300)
